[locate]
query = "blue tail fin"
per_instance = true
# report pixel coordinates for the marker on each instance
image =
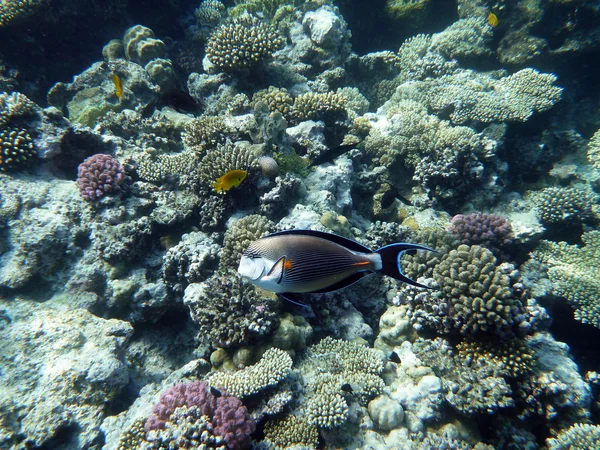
(390, 261)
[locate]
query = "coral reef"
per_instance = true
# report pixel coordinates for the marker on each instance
(241, 234)
(563, 206)
(573, 272)
(291, 431)
(242, 43)
(16, 149)
(229, 311)
(273, 367)
(225, 158)
(594, 150)
(100, 175)
(488, 230)
(190, 405)
(579, 436)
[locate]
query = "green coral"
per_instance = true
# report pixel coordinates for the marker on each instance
(563, 206)
(573, 271)
(594, 150)
(239, 236)
(242, 43)
(273, 367)
(580, 436)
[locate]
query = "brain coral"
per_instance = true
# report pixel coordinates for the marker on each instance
(242, 43)
(573, 271)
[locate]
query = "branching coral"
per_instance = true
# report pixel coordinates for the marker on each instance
(574, 272)
(594, 150)
(488, 230)
(14, 10)
(205, 132)
(290, 431)
(100, 175)
(242, 43)
(273, 367)
(580, 436)
(316, 105)
(563, 206)
(225, 158)
(229, 311)
(16, 149)
(241, 234)
(159, 168)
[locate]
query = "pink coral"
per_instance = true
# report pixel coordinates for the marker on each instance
(479, 228)
(229, 417)
(100, 175)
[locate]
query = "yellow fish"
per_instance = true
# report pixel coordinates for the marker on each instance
(231, 179)
(118, 86)
(493, 20)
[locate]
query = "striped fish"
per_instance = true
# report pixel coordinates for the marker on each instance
(307, 261)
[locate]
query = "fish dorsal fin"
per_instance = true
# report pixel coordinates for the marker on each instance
(276, 272)
(344, 242)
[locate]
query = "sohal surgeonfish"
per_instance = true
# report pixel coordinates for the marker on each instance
(306, 261)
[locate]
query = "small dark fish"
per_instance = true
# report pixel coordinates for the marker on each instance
(307, 261)
(395, 358)
(215, 392)
(179, 100)
(347, 388)
(331, 153)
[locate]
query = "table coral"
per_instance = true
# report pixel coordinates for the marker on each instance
(573, 271)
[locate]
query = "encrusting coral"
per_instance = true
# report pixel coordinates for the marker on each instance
(573, 271)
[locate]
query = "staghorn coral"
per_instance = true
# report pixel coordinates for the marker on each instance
(580, 436)
(470, 96)
(16, 149)
(273, 367)
(241, 234)
(594, 150)
(100, 175)
(242, 43)
(290, 431)
(229, 311)
(185, 403)
(316, 105)
(573, 271)
(225, 158)
(563, 206)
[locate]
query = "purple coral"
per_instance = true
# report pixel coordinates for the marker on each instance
(229, 417)
(100, 175)
(484, 229)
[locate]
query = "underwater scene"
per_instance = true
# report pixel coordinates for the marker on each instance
(300, 224)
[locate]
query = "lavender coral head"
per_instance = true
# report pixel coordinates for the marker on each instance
(229, 417)
(100, 175)
(479, 228)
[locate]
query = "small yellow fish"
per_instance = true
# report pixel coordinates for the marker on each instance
(118, 86)
(231, 179)
(493, 20)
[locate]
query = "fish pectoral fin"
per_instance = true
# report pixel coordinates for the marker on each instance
(276, 272)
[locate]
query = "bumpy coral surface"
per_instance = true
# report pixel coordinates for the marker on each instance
(563, 206)
(487, 230)
(228, 416)
(229, 311)
(581, 436)
(100, 175)
(16, 149)
(594, 150)
(242, 43)
(291, 430)
(241, 234)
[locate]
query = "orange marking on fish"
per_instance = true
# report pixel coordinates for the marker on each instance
(362, 263)
(287, 264)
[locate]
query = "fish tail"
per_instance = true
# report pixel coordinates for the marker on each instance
(390, 261)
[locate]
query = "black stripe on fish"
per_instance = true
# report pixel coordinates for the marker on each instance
(340, 240)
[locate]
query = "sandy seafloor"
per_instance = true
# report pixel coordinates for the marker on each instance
(470, 126)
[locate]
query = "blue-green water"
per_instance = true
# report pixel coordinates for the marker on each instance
(146, 145)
